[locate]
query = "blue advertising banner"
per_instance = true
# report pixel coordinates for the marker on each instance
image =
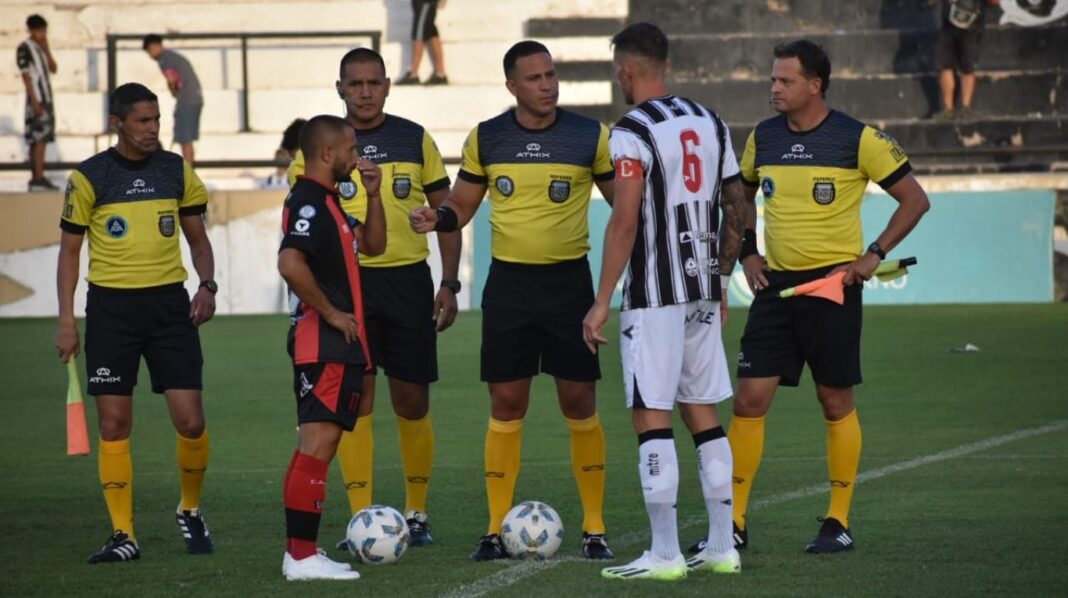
(972, 247)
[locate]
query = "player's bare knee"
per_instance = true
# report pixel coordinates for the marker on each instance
(115, 429)
(190, 426)
(751, 404)
(837, 402)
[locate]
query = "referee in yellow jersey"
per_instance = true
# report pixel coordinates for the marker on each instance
(131, 200)
(812, 164)
(402, 310)
(539, 164)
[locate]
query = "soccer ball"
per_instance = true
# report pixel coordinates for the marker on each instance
(532, 530)
(378, 535)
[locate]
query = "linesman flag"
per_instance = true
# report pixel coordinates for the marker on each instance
(832, 289)
(77, 433)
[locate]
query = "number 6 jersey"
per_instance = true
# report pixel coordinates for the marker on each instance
(682, 152)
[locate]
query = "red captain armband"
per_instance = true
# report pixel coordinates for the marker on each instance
(628, 169)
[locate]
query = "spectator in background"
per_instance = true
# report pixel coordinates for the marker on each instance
(185, 87)
(35, 60)
(958, 50)
(425, 32)
(286, 151)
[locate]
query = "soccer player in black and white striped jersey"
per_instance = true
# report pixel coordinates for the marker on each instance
(675, 169)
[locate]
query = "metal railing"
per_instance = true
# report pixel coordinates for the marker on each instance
(113, 40)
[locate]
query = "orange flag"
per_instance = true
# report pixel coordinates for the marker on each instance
(77, 433)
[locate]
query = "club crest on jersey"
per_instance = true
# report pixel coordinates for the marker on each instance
(505, 186)
(767, 186)
(166, 225)
(307, 212)
(347, 189)
(402, 187)
(116, 227)
(559, 191)
(823, 192)
(691, 267)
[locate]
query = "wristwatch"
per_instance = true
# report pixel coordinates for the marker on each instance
(211, 285)
(452, 285)
(877, 250)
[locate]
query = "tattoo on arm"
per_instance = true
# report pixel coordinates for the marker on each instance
(732, 200)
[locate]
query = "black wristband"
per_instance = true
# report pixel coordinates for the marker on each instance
(749, 244)
(447, 220)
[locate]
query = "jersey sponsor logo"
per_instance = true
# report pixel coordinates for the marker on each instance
(797, 152)
(559, 190)
(691, 267)
(370, 152)
(767, 186)
(402, 187)
(505, 186)
(823, 192)
(166, 225)
(896, 152)
(691, 236)
(300, 228)
(533, 150)
(347, 189)
(140, 187)
(627, 168)
(307, 212)
(116, 227)
(104, 376)
(68, 207)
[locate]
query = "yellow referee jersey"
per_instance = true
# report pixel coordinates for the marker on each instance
(539, 182)
(131, 211)
(813, 183)
(411, 167)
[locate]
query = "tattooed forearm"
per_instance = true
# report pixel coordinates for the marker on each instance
(732, 199)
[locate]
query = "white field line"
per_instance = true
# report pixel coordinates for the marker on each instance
(517, 571)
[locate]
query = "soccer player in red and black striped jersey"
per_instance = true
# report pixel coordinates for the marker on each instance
(318, 261)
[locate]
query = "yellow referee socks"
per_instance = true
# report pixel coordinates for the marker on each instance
(416, 438)
(587, 461)
(355, 452)
(192, 463)
(843, 458)
(746, 436)
(503, 443)
(116, 480)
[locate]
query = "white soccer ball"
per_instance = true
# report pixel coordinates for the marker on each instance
(532, 530)
(378, 535)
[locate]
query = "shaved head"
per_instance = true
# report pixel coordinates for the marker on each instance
(321, 131)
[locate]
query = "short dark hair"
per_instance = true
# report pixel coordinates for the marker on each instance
(644, 39)
(527, 47)
(151, 39)
(813, 58)
(360, 55)
(311, 134)
(35, 22)
(121, 101)
(291, 136)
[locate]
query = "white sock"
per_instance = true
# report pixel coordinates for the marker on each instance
(659, 467)
(714, 464)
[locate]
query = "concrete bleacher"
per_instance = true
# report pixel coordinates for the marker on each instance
(882, 54)
(288, 78)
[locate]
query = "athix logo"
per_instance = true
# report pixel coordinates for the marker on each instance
(103, 376)
(797, 152)
(140, 188)
(370, 152)
(533, 151)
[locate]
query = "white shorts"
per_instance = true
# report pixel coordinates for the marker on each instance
(673, 354)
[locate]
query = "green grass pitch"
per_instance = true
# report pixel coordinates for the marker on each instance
(985, 519)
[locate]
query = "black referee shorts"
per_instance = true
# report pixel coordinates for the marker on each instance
(782, 335)
(531, 315)
(123, 325)
(398, 308)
